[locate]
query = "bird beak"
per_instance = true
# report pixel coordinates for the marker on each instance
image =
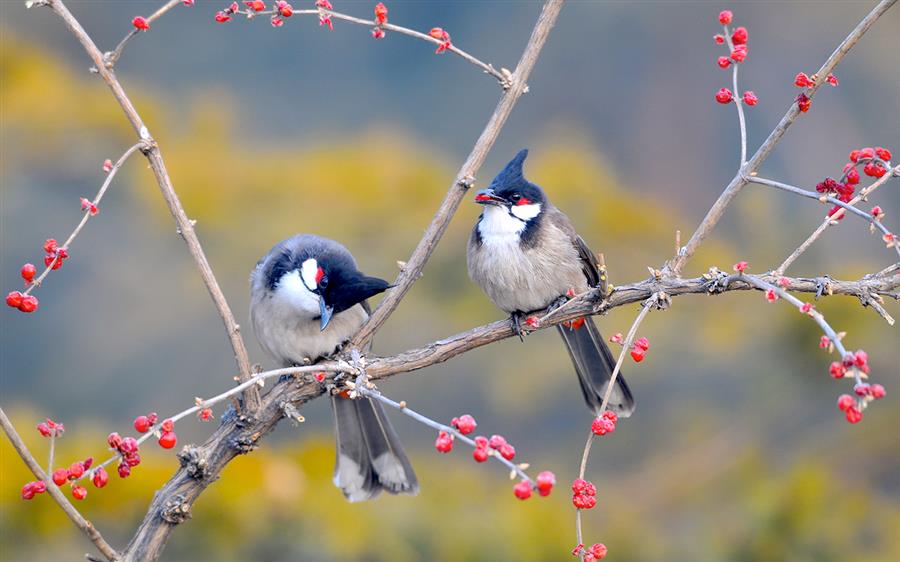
(326, 313)
(488, 197)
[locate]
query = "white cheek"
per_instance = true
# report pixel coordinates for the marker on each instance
(526, 212)
(497, 223)
(308, 271)
(292, 292)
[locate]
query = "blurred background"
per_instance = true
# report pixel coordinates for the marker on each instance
(736, 451)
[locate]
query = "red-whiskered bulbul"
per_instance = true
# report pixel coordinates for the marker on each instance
(525, 254)
(307, 297)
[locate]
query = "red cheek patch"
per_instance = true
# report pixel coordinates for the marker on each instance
(320, 273)
(523, 201)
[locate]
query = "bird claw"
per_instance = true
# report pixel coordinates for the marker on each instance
(516, 319)
(823, 286)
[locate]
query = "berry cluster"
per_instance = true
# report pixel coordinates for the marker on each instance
(605, 423)
(441, 36)
(50, 428)
(75, 472)
(638, 348)
(583, 494)
(808, 82)
(128, 449)
(875, 163)
(381, 18)
(737, 43)
(597, 551)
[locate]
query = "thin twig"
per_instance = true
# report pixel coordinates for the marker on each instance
(830, 199)
(111, 58)
(86, 215)
(626, 345)
(738, 100)
(716, 212)
(464, 179)
(861, 196)
(86, 526)
(376, 395)
(185, 225)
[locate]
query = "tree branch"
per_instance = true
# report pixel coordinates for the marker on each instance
(86, 526)
(464, 179)
(154, 156)
(716, 212)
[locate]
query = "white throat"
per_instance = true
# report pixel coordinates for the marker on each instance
(497, 224)
(292, 292)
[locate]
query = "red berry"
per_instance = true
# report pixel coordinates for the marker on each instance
(837, 370)
(771, 295)
(320, 377)
(601, 426)
(28, 491)
(522, 490)
(167, 425)
(545, 482)
(276, 21)
(168, 440)
(87, 463)
(719, 39)
(803, 103)
(255, 5)
(824, 342)
(724, 95)
(861, 390)
(739, 37)
(832, 79)
(142, 424)
(584, 502)
(618, 338)
(60, 475)
(437, 33)
(637, 354)
(132, 459)
(867, 152)
(205, 414)
(464, 423)
(152, 417)
(285, 9)
(28, 271)
(874, 169)
(76, 470)
(741, 266)
(806, 308)
(107, 165)
(378, 33)
(861, 359)
(877, 391)
(642, 343)
(853, 176)
(124, 470)
(750, 98)
(29, 303)
(114, 440)
(853, 415)
(507, 451)
(14, 299)
(739, 54)
(598, 551)
(481, 442)
(845, 402)
(883, 153)
(725, 17)
(141, 24)
(79, 492)
(802, 80)
(39, 487)
(222, 17)
(480, 454)
(100, 478)
(381, 13)
(50, 245)
(43, 429)
(128, 445)
(723, 62)
(444, 442)
(496, 441)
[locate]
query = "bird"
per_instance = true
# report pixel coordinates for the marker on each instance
(526, 256)
(308, 297)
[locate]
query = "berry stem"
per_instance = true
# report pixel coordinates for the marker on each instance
(52, 452)
(738, 100)
(86, 216)
(861, 196)
(833, 200)
(376, 395)
(110, 58)
(647, 306)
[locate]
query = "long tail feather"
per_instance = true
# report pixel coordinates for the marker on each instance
(594, 364)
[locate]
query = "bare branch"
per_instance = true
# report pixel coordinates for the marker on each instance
(86, 526)
(861, 196)
(154, 156)
(111, 58)
(716, 212)
(464, 179)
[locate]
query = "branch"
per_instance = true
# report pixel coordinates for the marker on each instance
(86, 526)
(861, 196)
(111, 58)
(464, 178)
(833, 200)
(154, 156)
(716, 212)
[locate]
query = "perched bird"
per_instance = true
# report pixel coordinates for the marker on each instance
(525, 254)
(307, 297)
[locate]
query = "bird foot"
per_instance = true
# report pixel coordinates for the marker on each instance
(516, 319)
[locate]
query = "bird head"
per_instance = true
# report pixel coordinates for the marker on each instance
(323, 285)
(513, 193)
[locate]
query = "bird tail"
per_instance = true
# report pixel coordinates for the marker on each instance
(370, 457)
(594, 365)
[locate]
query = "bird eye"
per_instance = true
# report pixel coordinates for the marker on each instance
(516, 196)
(323, 282)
